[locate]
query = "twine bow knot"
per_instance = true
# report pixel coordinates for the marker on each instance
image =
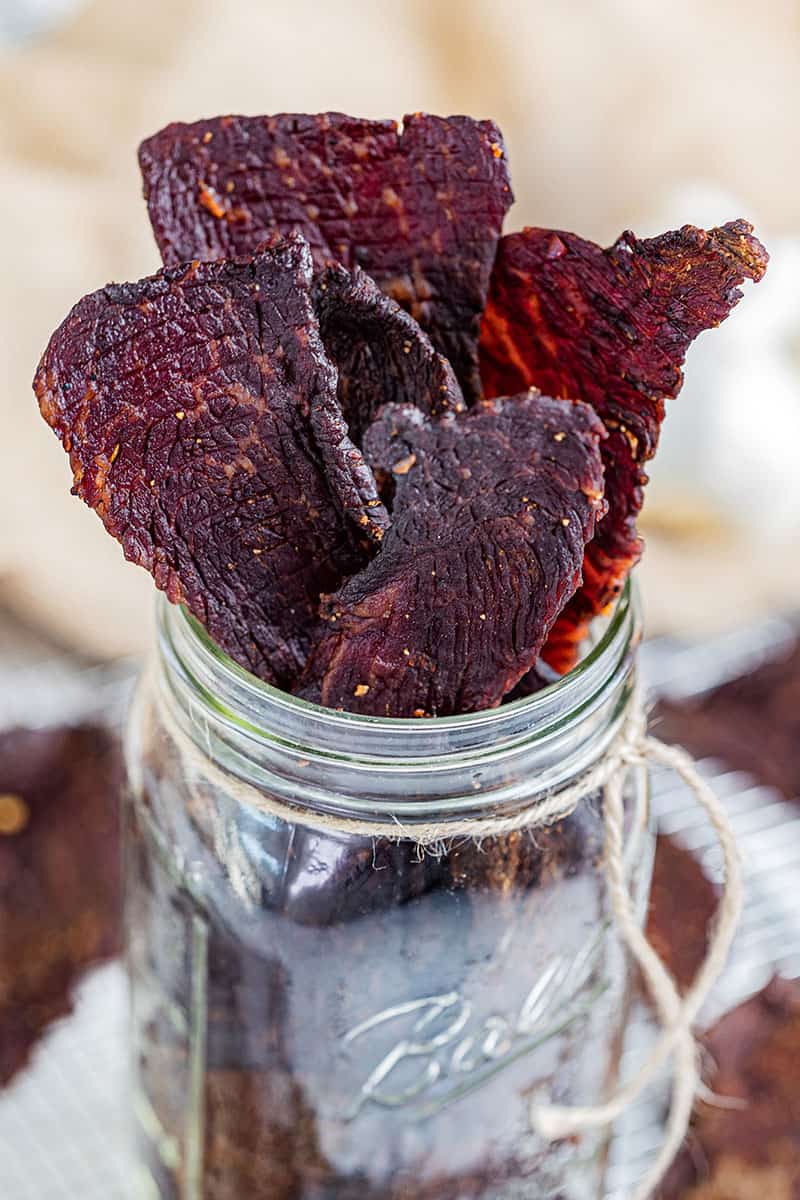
(676, 1014)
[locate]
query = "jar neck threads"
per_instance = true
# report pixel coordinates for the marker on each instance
(366, 766)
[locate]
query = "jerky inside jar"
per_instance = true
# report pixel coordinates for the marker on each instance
(319, 1014)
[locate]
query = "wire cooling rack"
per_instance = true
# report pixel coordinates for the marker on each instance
(64, 1124)
(64, 1127)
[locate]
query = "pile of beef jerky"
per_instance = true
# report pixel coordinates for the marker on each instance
(391, 458)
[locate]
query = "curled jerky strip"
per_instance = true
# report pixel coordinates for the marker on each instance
(184, 402)
(421, 209)
(381, 354)
(492, 513)
(610, 327)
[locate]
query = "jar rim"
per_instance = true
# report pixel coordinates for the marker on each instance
(628, 599)
(177, 620)
(338, 760)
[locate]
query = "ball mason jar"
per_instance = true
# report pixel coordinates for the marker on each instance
(324, 1016)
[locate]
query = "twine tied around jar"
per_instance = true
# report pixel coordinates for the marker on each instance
(631, 747)
(634, 747)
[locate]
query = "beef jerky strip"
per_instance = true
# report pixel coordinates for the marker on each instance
(420, 210)
(183, 401)
(610, 327)
(492, 513)
(380, 352)
(349, 477)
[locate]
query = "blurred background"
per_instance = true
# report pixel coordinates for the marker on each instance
(617, 113)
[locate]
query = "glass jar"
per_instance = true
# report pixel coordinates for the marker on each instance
(324, 1015)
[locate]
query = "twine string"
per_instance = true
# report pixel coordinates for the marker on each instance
(632, 747)
(545, 809)
(676, 1015)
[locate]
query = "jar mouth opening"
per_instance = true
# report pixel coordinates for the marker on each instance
(253, 695)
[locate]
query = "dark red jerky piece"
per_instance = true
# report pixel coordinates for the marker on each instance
(492, 512)
(184, 403)
(536, 680)
(349, 477)
(380, 352)
(610, 327)
(420, 210)
(59, 875)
